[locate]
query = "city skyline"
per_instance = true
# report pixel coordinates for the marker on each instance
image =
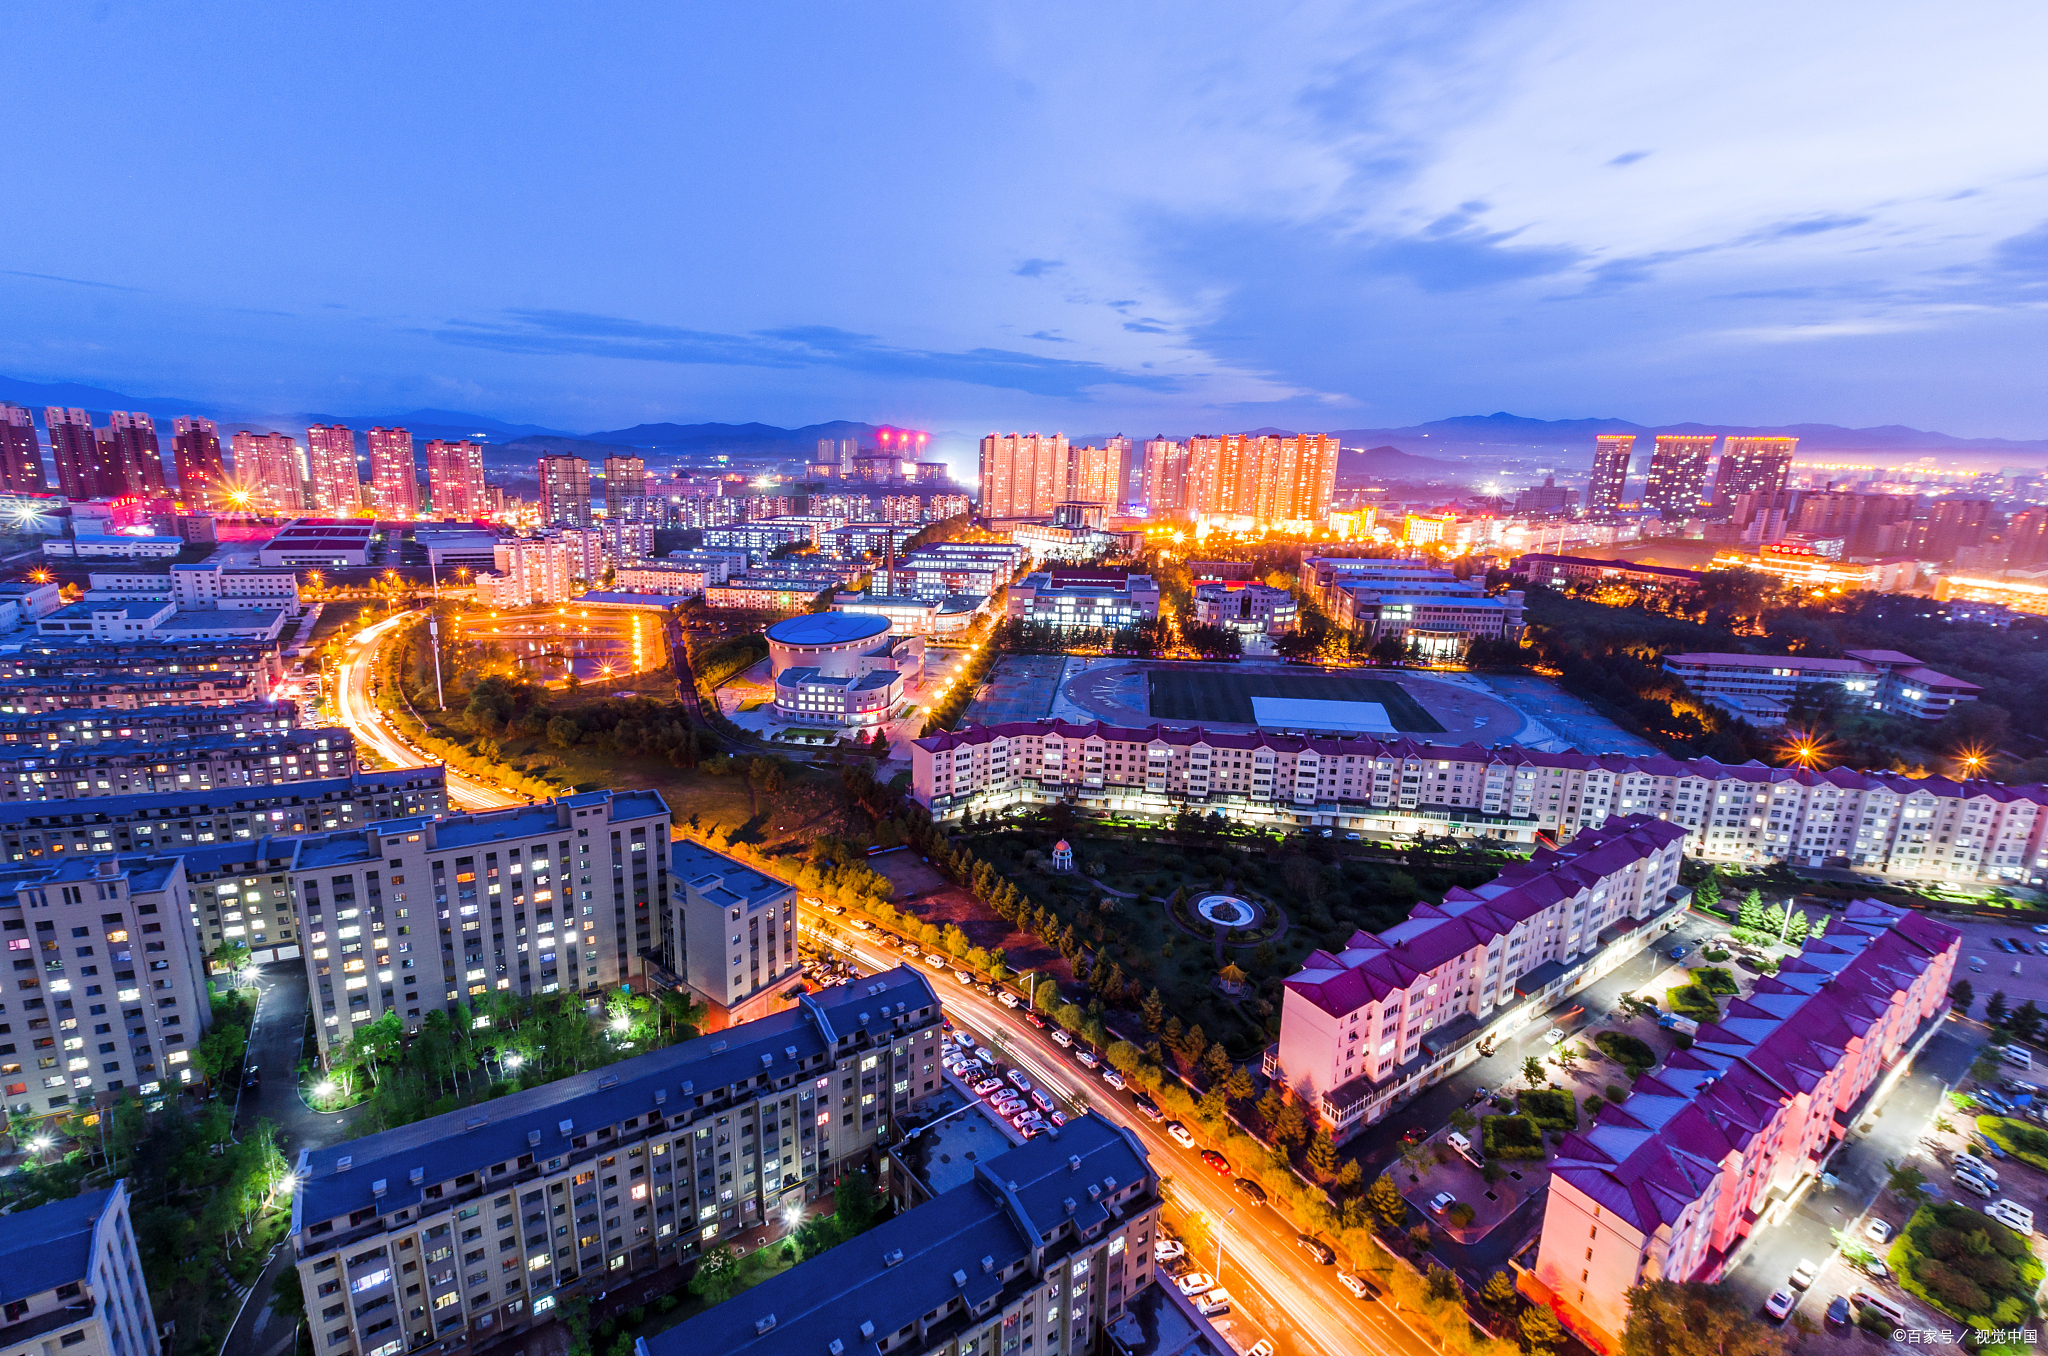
(1515, 248)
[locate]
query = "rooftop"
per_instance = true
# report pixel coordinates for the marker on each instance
(445, 1146)
(49, 1246)
(723, 878)
(109, 809)
(456, 831)
(828, 628)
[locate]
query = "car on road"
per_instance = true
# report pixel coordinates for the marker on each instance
(1178, 1133)
(1414, 1134)
(1062, 1040)
(1838, 1309)
(1803, 1274)
(1676, 953)
(1007, 999)
(1878, 1231)
(964, 977)
(1316, 1248)
(1214, 1303)
(1252, 1189)
(1086, 1060)
(1217, 1161)
(1442, 1201)
(936, 961)
(1357, 1285)
(1780, 1303)
(1035, 1020)
(1195, 1283)
(1018, 1080)
(1149, 1109)
(1168, 1250)
(1113, 1078)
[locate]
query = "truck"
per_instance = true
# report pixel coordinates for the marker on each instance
(1673, 1022)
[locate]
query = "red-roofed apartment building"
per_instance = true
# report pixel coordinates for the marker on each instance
(1715, 1144)
(1371, 1025)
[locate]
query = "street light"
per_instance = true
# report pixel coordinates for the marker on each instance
(513, 1062)
(325, 1088)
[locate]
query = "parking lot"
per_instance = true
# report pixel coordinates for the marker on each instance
(1991, 967)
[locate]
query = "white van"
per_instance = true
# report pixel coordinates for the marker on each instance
(1870, 1299)
(2012, 1215)
(1975, 1185)
(2016, 1054)
(1966, 1159)
(1458, 1141)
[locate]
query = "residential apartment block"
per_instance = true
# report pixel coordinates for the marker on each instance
(331, 469)
(1929, 828)
(1759, 686)
(53, 729)
(1671, 1183)
(1045, 1243)
(1252, 609)
(394, 478)
(172, 821)
(71, 1278)
(455, 479)
(124, 767)
(268, 470)
(949, 568)
(729, 932)
(1366, 1028)
(471, 1226)
(1072, 599)
(417, 912)
(241, 894)
(106, 988)
(120, 692)
(1243, 479)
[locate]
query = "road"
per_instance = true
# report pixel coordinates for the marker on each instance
(356, 709)
(1276, 1288)
(276, 1040)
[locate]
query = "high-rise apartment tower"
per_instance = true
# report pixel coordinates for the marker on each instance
(1611, 454)
(394, 482)
(77, 454)
(21, 456)
(564, 492)
(625, 478)
(1678, 475)
(1022, 474)
(331, 465)
(269, 478)
(1752, 466)
(455, 479)
(202, 475)
(134, 454)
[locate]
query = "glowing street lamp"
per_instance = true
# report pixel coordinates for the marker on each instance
(325, 1088)
(514, 1061)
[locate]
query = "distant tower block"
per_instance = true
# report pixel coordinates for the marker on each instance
(1611, 454)
(1753, 466)
(1678, 475)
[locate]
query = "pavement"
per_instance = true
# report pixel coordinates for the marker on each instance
(276, 1040)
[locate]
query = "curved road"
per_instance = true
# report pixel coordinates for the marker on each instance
(354, 708)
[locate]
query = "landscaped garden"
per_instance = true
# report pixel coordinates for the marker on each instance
(1633, 1053)
(1549, 1108)
(1715, 980)
(1967, 1265)
(2027, 1143)
(1511, 1137)
(1693, 1000)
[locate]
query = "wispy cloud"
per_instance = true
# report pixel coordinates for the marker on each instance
(1049, 337)
(1628, 158)
(556, 333)
(74, 282)
(1146, 326)
(1037, 268)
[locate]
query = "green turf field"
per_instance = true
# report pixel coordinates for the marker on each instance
(1225, 697)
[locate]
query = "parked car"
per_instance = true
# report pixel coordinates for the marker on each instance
(1677, 953)
(1168, 1250)
(1195, 1283)
(1780, 1303)
(1414, 1134)
(1113, 1078)
(1058, 1117)
(1062, 1040)
(1178, 1133)
(1149, 1109)
(1040, 1100)
(988, 1087)
(1018, 1080)
(1087, 1060)
(1803, 1274)
(1442, 1201)
(964, 977)
(1007, 999)
(1216, 1161)
(2012, 1215)
(253, 1079)
(1838, 1309)
(1878, 1231)
(1214, 1303)
(1035, 1020)
(1966, 1159)
(1252, 1189)
(1359, 1287)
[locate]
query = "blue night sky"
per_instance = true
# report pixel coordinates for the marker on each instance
(1081, 216)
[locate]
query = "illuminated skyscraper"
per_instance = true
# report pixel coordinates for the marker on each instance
(268, 478)
(1262, 479)
(21, 456)
(564, 492)
(331, 465)
(455, 479)
(133, 455)
(1678, 475)
(1166, 475)
(202, 476)
(77, 453)
(1022, 474)
(625, 478)
(1611, 454)
(394, 480)
(1752, 466)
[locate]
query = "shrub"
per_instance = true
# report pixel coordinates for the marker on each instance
(1631, 1052)
(1616, 1094)
(1459, 1214)
(1550, 1109)
(2027, 1143)
(1714, 980)
(1690, 1000)
(1715, 954)
(1511, 1137)
(1973, 1268)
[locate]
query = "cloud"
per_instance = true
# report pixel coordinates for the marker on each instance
(1453, 255)
(1049, 337)
(1146, 327)
(75, 282)
(1628, 158)
(1037, 268)
(558, 333)
(1792, 230)
(2024, 255)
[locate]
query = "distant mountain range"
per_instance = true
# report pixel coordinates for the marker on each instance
(1388, 452)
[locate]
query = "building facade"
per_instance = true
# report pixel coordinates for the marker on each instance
(123, 767)
(471, 1226)
(331, 470)
(1244, 479)
(394, 480)
(625, 481)
(1678, 476)
(1760, 685)
(1022, 474)
(268, 476)
(202, 475)
(1252, 609)
(1759, 466)
(1080, 599)
(1609, 484)
(58, 729)
(73, 1279)
(564, 492)
(1364, 1029)
(1925, 828)
(841, 668)
(729, 933)
(455, 479)
(1718, 1142)
(21, 453)
(558, 897)
(75, 450)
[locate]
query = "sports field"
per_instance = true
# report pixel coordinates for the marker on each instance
(1224, 697)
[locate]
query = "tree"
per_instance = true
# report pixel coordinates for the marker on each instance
(1417, 1158)
(230, 956)
(1707, 893)
(1566, 1055)
(1540, 1329)
(1962, 995)
(1532, 1072)
(1995, 1008)
(1418, 1237)
(1385, 1200)
(1153, 1011)
(1046, 997)
(718, 1275)
(2026, 1021)
(1322, 1154)
(1904, 1180)
(1440, 1284)
(1672, 1318)
(1499, 1291)
(1984, 1068)
(1751, 915)
(1463, 1121)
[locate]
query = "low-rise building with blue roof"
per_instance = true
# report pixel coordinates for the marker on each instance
(71, 1279)
(469, 1227)
(731, 933)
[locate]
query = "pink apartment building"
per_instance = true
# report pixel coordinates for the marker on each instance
(1716, 1143)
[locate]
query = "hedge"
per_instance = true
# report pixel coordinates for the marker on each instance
(1987, 1284)
(1511, 1137)
(1550, 1108)
(1690, 1000)
(2022, 1141)
(1631, 1052)
(1715, 980)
